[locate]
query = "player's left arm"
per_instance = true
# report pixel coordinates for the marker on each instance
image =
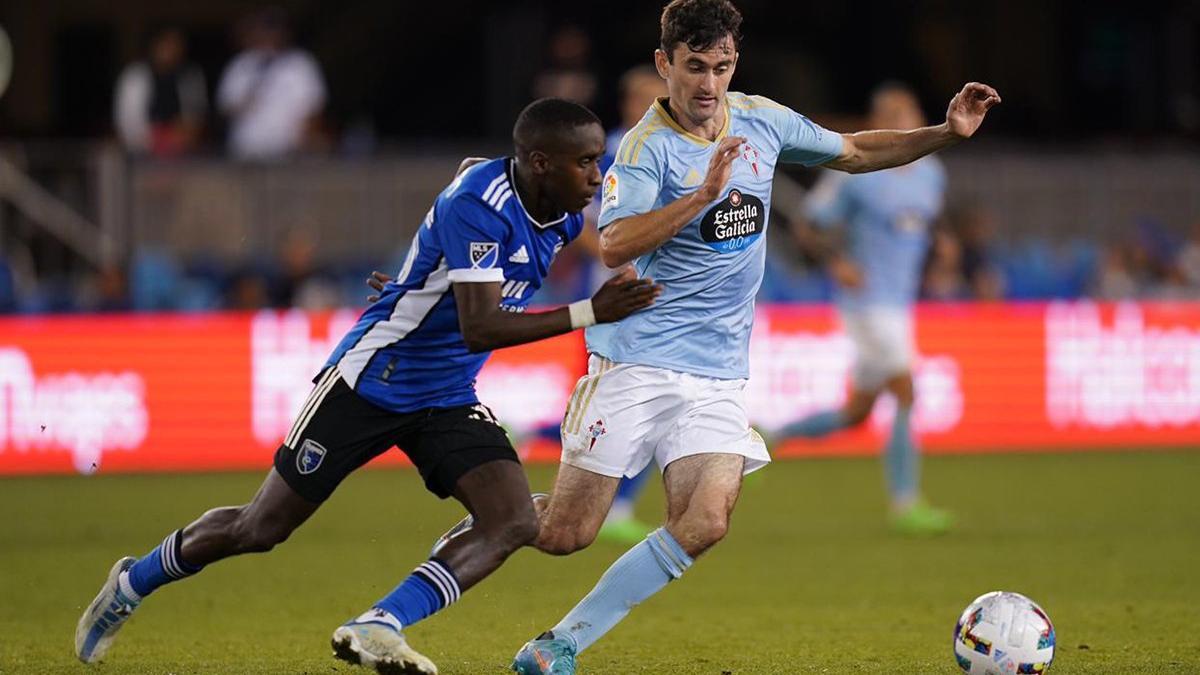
(882, 149)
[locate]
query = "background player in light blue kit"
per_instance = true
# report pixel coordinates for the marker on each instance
(688, 201)
(887, 217)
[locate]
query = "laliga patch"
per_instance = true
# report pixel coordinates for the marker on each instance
(611, 195)
(484, 254)
(310, 457)
(734, 223)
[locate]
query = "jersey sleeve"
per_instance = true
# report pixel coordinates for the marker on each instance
(829, 200)
(632, 184)
(803, 141)
(472, 236)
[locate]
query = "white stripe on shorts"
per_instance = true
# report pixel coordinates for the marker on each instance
(326, 383)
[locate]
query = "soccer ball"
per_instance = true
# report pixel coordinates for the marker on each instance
(1002, 633)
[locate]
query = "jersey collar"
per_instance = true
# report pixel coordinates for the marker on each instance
(660, 107)
(512, 180)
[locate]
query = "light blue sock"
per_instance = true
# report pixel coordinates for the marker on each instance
(814, 426)
(643, 571)
(901, 459)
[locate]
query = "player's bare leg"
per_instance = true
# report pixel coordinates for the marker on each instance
(270, 517)
(573, 514)
(701, 493)
(503, 520)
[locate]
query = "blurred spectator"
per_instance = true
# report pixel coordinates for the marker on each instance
(975, 230)
(247, 290)
(300, 282)
(1188, 261)
(272, 91)
(944, 279)
(161, 101)
(568, 74)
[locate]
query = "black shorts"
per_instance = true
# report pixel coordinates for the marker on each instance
(338, 431)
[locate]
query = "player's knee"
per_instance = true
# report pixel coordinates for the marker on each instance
(521, 530)
(702, 529)
(562, 541)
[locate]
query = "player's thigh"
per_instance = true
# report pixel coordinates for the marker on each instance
(446, 444)
(335, 433)
(616, 415)
(702, 491)
(578, 505)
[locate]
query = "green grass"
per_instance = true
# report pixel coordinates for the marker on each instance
(809, 580)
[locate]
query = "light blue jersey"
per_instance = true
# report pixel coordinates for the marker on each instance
(887, 215)
(712, 269)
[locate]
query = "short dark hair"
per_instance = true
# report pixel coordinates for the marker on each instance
(699, 24)
(546, 117)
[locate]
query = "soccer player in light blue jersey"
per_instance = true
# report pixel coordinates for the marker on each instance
(887, 217)
(405, 376)
(688, 202)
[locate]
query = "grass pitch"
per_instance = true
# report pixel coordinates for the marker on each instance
(809, 580)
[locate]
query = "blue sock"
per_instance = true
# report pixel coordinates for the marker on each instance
(161, 566)
(814, 426)
(430, 587)
(643, 571)
(901, 460)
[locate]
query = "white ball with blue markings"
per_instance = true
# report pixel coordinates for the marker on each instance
(1004, 633)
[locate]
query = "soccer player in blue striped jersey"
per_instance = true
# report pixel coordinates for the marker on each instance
(688, 202)
(887, 217)
(405, 376)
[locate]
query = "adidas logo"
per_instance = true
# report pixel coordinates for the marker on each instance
(521, 256)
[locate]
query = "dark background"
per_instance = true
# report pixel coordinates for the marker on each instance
(415, 71)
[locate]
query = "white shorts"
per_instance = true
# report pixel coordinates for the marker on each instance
(622, 415)
(883, 344)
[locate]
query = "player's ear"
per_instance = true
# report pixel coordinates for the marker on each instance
(539, 162)
(662, 63)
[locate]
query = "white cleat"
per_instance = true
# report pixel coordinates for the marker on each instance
(374, 640)
(104, 617)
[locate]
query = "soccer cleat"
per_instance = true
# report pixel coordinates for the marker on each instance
(628, 531)
(466, 524)
(374, 640)
(545, 655)
(920, 519)
(104, 617)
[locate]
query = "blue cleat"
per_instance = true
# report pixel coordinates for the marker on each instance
(546, 655)
(104, 617)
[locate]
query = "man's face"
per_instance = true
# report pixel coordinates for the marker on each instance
(697, 81)
(896, 109)
(572, 168)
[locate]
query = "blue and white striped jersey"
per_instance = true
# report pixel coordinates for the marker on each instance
(406, 352)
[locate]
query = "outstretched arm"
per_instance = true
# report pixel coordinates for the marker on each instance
(873, 150)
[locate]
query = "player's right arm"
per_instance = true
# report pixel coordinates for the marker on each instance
(624, 239)
(485, 326)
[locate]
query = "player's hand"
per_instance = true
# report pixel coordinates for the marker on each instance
(468, 163)
(720, 167)
(377, 281)
(623, 295)
(846, 273)
(968, 108)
